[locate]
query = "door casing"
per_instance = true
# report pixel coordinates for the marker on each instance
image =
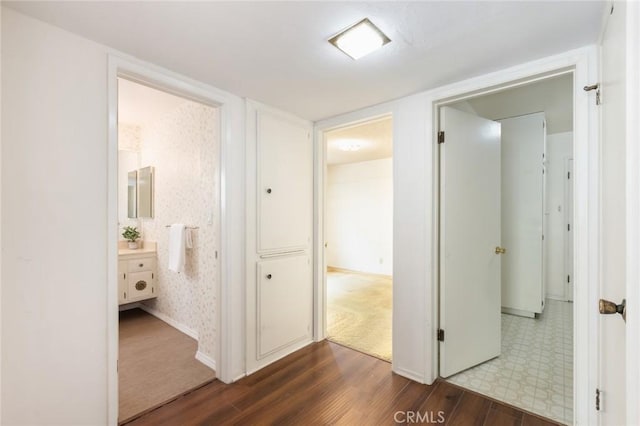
(583, 64)
(170, 82)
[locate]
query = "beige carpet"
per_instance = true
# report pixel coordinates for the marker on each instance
(359, 312)
(156, 364)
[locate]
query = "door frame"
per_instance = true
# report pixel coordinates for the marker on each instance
(583, 63)
(568, 220)
(320, 190)
(156, 77)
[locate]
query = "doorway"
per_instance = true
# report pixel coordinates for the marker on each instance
(506, 320)
(168, 239)
(358, 224)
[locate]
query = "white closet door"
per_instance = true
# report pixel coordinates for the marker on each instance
(285, 306)
(285, 184)
(522, 213)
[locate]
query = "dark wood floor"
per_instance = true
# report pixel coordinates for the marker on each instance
(325, 383)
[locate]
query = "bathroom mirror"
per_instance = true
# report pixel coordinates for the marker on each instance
(132, 194)
(145, 192)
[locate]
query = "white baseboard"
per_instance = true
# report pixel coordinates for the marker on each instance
(128, 306)
(206, 360)
(518, 312)
(560, 298)
(173, 323)
(412, 375)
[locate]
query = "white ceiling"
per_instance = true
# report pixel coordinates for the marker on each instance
(277, 52)
(553, 96)
(141, 105)
(375, 139)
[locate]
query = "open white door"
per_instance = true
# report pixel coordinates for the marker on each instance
(469, 239)
(612, 334)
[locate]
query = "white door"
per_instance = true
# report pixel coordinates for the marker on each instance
(469, 236)
(522, 151)
(284, 303)
(279, 309)
(285, 183)
(612, 340)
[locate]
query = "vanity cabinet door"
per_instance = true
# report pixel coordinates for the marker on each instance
(122, 282)
(140, 286)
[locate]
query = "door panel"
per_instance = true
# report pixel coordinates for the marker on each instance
(470, 233)
(285, 184)
(522, 149)
(612, 337)
(284, 303)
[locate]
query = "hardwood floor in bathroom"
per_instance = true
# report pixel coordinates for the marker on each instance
(326, 383)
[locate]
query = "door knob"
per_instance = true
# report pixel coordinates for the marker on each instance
(606, 307)
(501, 250)
(269, 191)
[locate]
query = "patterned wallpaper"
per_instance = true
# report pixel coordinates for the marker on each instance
(128, 137)
(182, 147)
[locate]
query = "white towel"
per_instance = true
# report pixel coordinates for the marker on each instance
(177, 246)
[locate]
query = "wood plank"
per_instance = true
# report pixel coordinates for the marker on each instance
(326, 383)
(442, 402)
(471, 411)
(533, 420)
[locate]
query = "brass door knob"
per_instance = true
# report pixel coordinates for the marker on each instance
(501, 250)
(607, 307)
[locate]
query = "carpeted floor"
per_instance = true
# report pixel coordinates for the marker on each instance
(359, 312)
(156, 364)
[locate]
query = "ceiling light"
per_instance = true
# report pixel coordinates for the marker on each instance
(360, 39)
(349, 145)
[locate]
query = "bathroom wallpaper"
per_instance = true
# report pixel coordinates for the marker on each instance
(128, 137)
(182, 147)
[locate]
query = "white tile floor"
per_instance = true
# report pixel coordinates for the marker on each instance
(535, 370)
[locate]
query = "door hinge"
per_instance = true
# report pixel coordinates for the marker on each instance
(441, 137)
(440, 335)
(568, 278)
(542, 237)
(597, 399)
(568, 175)
(568, 227)
(216, 254)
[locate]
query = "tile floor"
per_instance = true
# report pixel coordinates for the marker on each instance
(535, 370)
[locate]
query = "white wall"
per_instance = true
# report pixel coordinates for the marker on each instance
(412, 219)
(54, 216)
(54, 225)
(559, 149)
(359, 216)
